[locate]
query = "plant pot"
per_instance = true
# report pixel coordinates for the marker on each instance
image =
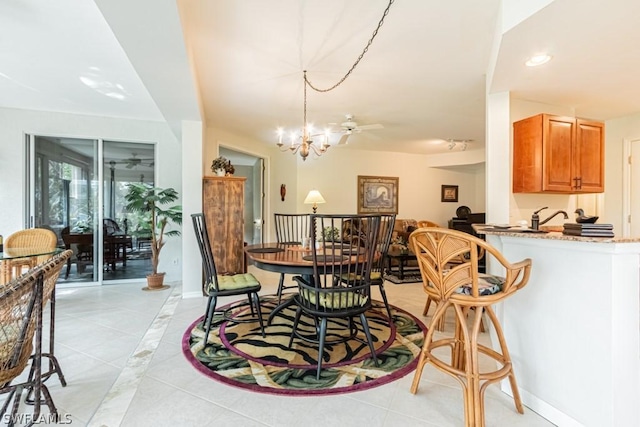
(155, 281)
(220, 172)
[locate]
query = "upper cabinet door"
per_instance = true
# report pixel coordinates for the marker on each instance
(589, 156)
(555, 154)
(558, 143)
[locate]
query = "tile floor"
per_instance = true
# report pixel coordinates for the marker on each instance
(120, 351)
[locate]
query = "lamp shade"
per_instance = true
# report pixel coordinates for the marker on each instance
(314, 197)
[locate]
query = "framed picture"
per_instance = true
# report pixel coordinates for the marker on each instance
(377, 194)
(449, 193)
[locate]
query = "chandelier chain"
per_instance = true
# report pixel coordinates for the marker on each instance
(364, 51)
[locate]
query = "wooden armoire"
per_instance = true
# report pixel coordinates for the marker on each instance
(223, 208)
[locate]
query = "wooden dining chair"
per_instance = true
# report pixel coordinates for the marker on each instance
(325, 295)
(291, 229)
(21, 305)
(387, 223)
(385, 233)
(38, 239)
(224, 285)
(462, 287)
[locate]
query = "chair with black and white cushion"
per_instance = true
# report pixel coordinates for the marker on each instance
(291, 229)
(326, 296)
(224, 285)
(462, 287)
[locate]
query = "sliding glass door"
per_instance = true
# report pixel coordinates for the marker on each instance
(77, 188)
(64, 196)
(126, 249)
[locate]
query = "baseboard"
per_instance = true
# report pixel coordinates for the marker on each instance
(542, 408)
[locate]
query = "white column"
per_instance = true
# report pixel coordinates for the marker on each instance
(192, 152)
(498, 158)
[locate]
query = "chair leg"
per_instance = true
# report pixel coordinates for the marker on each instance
(367, 333)
(66, 275)
(424, 354)
(321, 336)
(440, 324)
(256, 301)
(507, 359)
(427, 305)
(280, 287)
(384, 299)
(295, 325)
(211, 308)
(250, 301)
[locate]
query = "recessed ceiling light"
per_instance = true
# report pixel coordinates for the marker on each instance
(536, 60)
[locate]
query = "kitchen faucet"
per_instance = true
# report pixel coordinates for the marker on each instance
(535, 218)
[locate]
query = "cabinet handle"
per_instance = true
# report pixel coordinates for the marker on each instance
(575, 183)
(579, 182)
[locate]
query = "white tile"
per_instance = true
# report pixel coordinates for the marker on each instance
(99, 328)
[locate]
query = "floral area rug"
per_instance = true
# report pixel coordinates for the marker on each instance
(238, 355)
(409, 276)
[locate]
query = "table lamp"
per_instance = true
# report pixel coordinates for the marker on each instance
(314, 197)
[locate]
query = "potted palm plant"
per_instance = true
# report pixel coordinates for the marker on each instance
(151, 201)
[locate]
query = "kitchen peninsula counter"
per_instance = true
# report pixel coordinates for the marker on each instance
(574, 330)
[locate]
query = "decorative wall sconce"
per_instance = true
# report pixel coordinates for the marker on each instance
(283, 191)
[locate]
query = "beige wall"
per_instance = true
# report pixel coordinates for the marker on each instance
(616, 132)
(335, 176)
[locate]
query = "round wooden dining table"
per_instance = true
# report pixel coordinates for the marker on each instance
(281, 258)
(292, 258)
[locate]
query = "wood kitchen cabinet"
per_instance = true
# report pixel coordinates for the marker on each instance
(223, 208)
(556, 154)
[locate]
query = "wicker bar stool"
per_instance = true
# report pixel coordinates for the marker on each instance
(21, 303)
(462, 287)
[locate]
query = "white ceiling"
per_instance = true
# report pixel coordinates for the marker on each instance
(423, 78)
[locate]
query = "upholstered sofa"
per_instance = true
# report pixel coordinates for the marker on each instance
(401, 231)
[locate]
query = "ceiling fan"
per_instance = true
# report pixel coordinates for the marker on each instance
(133, 161)
(351, 126)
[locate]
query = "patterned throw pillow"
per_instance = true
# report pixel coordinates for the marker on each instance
(487, 285)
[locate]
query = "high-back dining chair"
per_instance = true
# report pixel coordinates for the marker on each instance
(291, 229)
(21, 304)
(462, 287)
(223, 285)
(38, 239)
(326, 295)
(387, 222)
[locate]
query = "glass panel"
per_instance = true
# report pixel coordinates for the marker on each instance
(65, 195)
(126, 249)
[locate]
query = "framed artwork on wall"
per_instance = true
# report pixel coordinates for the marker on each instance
(449, 193)
(377, 194)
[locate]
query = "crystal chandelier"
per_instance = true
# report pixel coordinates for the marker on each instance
(304, 143)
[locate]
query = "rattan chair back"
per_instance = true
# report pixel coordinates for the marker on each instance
(448, 260)
(38, 239)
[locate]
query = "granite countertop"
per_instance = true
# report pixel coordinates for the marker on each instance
(552, 235)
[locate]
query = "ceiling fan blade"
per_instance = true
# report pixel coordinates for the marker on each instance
(370, 127)
(343, 139)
